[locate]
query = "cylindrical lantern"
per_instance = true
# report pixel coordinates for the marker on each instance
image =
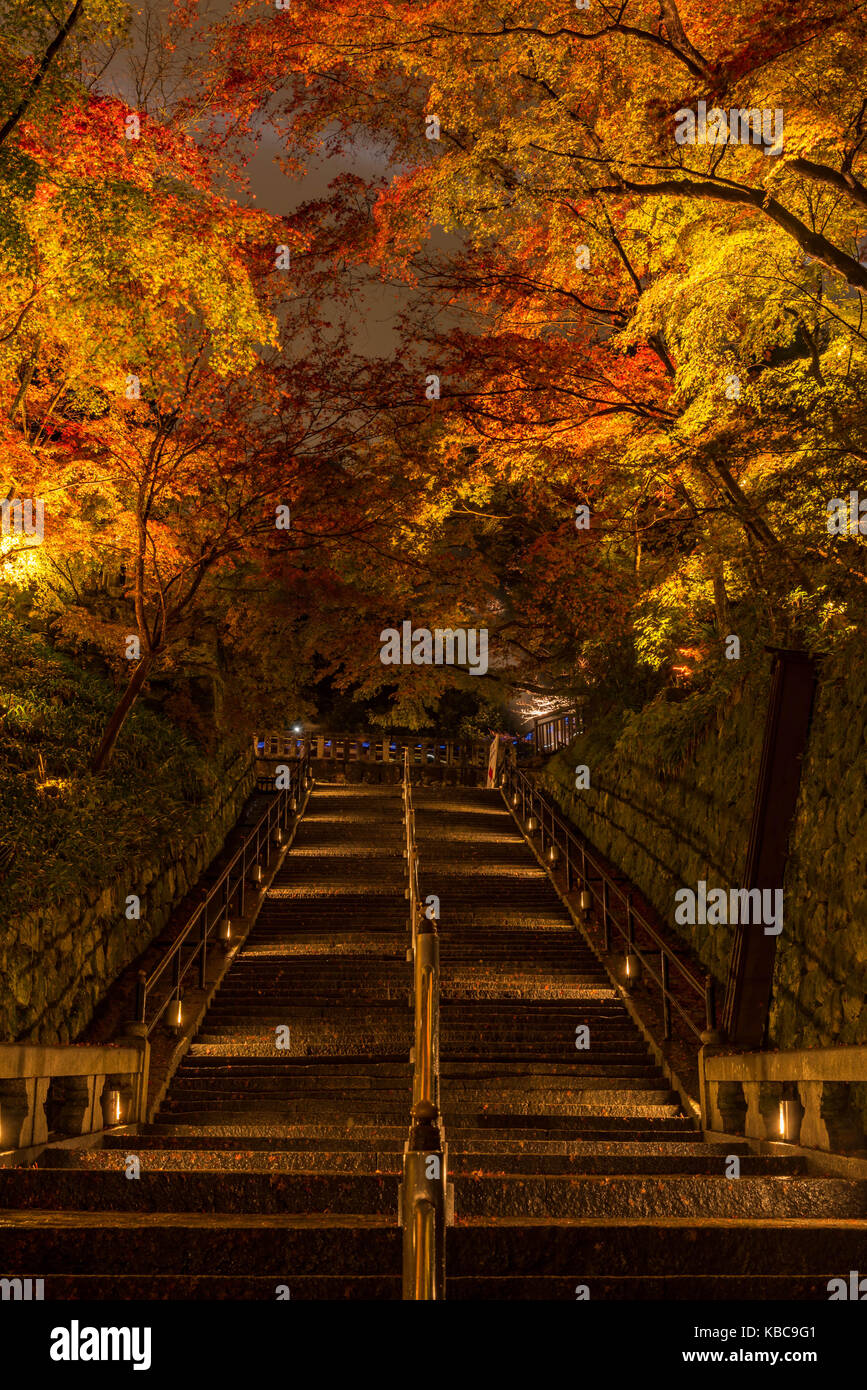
(631, 970)
(790, 1116)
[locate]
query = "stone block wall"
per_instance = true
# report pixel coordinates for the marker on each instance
(668, 829)
(57, 961)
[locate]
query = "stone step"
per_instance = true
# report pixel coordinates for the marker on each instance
(79, 1242)
(277, 1193)
(580, 1249)
(232, 1288)
(652, 1197)
(280, 1134)
(631, 1288)
(646, 1126)
(363, 1159)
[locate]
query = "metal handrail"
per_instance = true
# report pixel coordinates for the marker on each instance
(212, 914)
(410, 852)
(520, 790)
(422, 1199)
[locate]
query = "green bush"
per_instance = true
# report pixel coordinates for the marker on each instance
(63, 830)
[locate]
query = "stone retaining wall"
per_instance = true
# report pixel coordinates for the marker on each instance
(57, 961)
(668, 830)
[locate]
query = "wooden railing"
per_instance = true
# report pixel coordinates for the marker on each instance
(422, 749)
(557, 731)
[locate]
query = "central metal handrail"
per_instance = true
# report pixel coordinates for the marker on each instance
(211, 918)
(597, 889)
(422, 1199)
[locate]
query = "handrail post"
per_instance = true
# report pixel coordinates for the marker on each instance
(606, 930)
(422, 1198)
(141, 991)
(426, 1032)
(711, 1037)
(203, 963)
(422, 1203)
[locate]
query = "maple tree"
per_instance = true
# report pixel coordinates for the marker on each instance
(671, 329)
(662, 334)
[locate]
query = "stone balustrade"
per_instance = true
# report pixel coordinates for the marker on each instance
(66, 1092)
(798, 1096)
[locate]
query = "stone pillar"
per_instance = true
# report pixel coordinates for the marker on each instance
(76, 1105)
(136, 1035)
(23, 1121)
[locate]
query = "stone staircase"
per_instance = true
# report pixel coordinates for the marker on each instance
(577, 1167)
(266, 1166)
(272, 1167)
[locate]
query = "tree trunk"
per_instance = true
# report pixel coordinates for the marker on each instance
(102, 756)
(38, 77)
(720, 599)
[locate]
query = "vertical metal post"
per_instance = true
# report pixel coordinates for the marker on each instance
(140, 996)
(711, 1034)
(176, 978)
(666, 999)
(606, 930)
(203, 941)
(426, 1054)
